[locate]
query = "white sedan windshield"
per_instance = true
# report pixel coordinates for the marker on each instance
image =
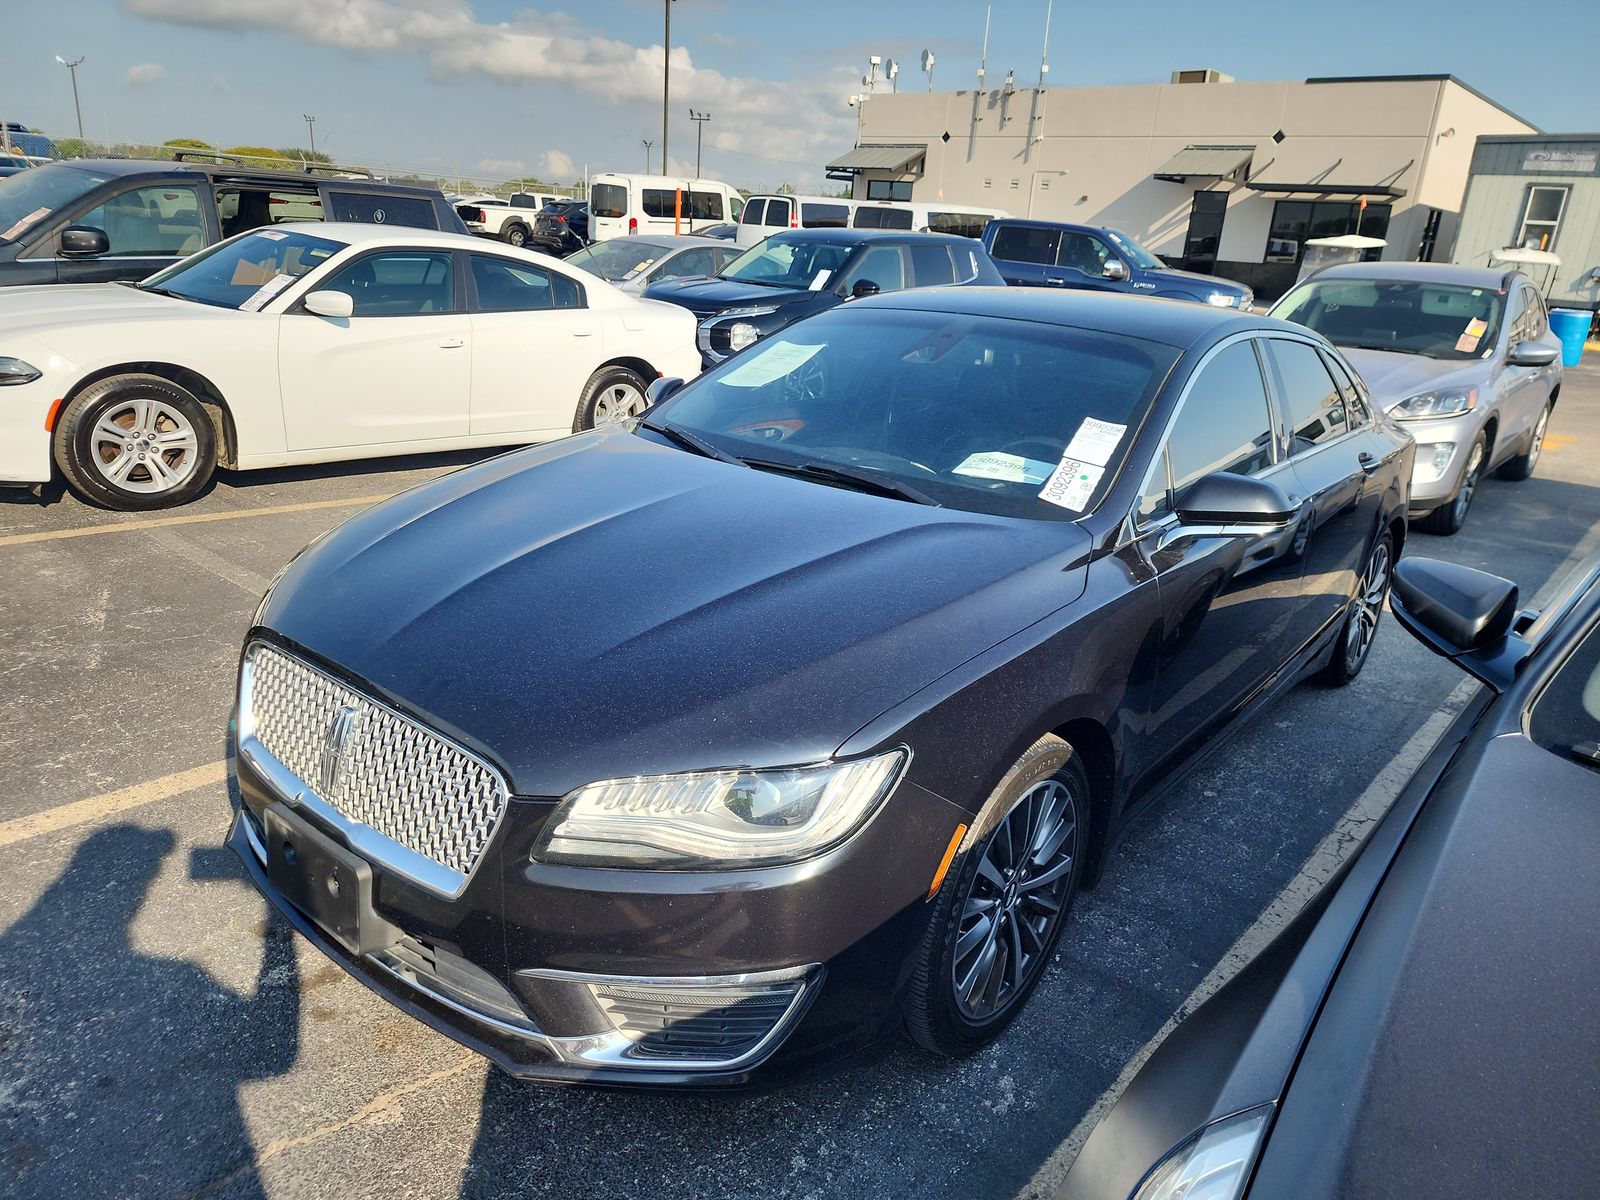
(244, 273)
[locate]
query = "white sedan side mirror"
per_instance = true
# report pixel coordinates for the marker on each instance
(330, 304)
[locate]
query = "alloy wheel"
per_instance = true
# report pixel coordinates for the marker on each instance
(617, 402)
(1538, 439)
(1017, 898)
(144, 445)
(1368, 607)
(1469, 482)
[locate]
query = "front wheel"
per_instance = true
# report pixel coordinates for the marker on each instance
(612, 394)
(1361, 625)
(997, 918)
(136, 442)
(1449, 518)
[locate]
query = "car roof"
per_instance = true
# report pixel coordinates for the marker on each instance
(361, 233)
(1172, 322)
(866, 236)
(118, 167)
(671, 241)
(1421, 272)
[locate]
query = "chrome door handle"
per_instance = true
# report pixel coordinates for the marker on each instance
(583, 333)
(452, 343)
(1055, 282)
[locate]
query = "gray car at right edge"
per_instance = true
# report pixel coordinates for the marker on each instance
(1462, 356)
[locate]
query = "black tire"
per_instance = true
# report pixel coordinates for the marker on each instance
(1450, 516)
(939, 1016)
(515, 234)
(1521, 467)
(138, 475)
(1366, 609)
(611, 390)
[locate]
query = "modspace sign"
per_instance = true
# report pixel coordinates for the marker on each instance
(1567, 162)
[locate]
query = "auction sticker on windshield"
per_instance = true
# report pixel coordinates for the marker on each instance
(772, 364)
(1468, 341)
(997, 464)
(1096, 441)
(1071, 484)
(262, 296)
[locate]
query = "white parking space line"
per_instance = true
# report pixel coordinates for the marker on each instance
(235, 514)
(1340, 843)
(98, 808)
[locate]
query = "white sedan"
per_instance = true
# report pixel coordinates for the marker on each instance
(316, 343)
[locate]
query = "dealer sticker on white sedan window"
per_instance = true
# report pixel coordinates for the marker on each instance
(262, 296)
(1071, 484)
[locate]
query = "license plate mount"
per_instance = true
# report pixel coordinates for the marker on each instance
(326, 882)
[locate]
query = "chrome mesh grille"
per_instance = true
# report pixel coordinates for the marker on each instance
(390, 774)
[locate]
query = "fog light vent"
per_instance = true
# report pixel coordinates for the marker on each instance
(677, 1023)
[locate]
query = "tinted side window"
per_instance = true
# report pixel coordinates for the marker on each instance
(377, 209)
(1022, 243)
(150, 220)
(1313, 408)
(883, 218)
(754, 213)
(1225, 424)
(932, 266)
(1083, 253)
(659, 202)
(400, 283)
(608, 200)
(884, 265)
(965, 224)
(777, 213)
(504, 286)
(1354, 405)
(703, 206)
(690, 262)
(824, 216)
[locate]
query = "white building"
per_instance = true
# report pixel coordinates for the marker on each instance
(1212, 174)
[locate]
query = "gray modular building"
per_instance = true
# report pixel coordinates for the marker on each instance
(1212, 174)
(1538, 193)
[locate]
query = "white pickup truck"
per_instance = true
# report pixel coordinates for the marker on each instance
(511, 220)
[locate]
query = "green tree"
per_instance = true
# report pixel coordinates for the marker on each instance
(171, 146)
(296, 155)
(262, 156)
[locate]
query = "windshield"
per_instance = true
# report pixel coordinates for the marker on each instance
(617, 259)
(31, 196)
(975, 413)
(247, 272)
(780, 262)
(1134, 252)
(1437, 320)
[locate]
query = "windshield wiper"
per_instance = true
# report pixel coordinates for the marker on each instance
(693, 441)
(861, 480)
(1588, 753)
(1387, 349)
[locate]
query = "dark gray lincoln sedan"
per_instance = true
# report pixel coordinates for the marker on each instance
(794, 713)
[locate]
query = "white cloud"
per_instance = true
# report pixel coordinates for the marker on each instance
(796, 121)
(141, 74)
(556, 166)
(509, 168)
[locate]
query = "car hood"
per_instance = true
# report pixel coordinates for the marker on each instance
(606, 605)
(716, 294)
(1209, 283)
(1394, 377)
(37, 311)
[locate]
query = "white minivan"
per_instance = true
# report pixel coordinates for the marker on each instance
(765, 215)
(621, 204)
(937, 217)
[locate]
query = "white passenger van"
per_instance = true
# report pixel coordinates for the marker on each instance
(621, 204)
(934, 216)
(768, 214)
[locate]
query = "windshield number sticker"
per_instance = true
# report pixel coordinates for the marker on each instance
(271, 235)
(262, 296)
(1095, 442)
(1468, 341)
(1071, 484)
(821, 280)
(997, 464)
(24, 223)
(773, 363)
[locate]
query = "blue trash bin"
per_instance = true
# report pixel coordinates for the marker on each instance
(1571, 325)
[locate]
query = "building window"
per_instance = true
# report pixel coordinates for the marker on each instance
(1541, 217)
(888, 189)
(1294, 222)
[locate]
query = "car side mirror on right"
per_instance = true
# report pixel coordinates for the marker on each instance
(660, 390)
(1533, 354)
(83, 241)
(864, 287)
(1232, 503)
(1115, 270)
(330, 304)
(1462, 614)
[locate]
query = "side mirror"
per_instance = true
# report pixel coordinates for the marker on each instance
(84, 240)
(864, 287)
(660, 390)
(1231, 503)
(1533, 354)
(1462, 614)
(330, 304)
(1115, 270)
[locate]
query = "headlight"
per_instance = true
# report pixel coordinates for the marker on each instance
(1428, 405)
(14, 370)
(1213, 1165)
(1222, 299)
(717, 819)
(742, 334)
(1433, 459)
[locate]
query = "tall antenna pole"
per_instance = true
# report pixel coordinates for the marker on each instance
(1044, 51)
(983, 63)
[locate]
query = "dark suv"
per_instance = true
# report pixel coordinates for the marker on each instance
(1097, 259)
(100, 220)
(561, 227)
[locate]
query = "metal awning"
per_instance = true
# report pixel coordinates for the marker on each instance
(1385, 190)
(878, 158)
(1205, 162)
(1519, 254)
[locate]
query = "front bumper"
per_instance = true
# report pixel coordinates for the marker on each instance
(539, 967)
(24, 413)
(1428, 490)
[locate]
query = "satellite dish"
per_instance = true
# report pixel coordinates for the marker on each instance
(891, 69)
(927, 60)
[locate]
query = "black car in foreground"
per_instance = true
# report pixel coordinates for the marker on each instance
(1427, 1027)
(798, 274)
(794, 713)
(89, 220)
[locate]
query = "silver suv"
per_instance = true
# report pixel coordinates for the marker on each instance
(1463, 356)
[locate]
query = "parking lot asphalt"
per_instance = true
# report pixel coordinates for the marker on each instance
(160, 1036)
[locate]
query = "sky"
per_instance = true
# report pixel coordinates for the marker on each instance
(498, 88)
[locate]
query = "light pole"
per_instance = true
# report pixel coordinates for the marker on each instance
(699, 120)
(311, 131)
(647, 146)
(76, 107)
(666, 83)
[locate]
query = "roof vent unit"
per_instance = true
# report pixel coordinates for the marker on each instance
(1204, 76)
